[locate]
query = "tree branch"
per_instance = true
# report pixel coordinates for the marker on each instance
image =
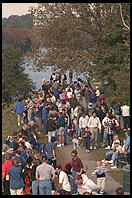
(122, 18)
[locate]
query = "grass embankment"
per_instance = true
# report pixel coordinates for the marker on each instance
(9, 125)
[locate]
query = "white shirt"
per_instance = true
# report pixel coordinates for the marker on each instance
(125, 110)
(63, 179)
(105, 120)
(83, 122)
(28, 145)
(94, 122)
(87, 186)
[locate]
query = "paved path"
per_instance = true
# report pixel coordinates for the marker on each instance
(64, 155)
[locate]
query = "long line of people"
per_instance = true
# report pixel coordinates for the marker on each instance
(56, 110)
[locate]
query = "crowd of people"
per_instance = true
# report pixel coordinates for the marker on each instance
(60, 110)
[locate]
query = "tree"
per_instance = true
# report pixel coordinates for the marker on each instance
(15, 83)
(89, 37)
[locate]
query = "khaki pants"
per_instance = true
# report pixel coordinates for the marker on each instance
(101, 183)
(94, 132)
(19, 118)
(39, 123)
(17, 191)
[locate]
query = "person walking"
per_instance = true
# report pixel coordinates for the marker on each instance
(77, 168)
(19, 109)
(45, 174)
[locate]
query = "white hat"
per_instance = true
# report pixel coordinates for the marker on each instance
(96, 87)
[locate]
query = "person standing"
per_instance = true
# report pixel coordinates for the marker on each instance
(45, 175)
(45, 118)
(94, 124)
(83, 122)
(51, 127)
(64, 187)
(101, 171)
(16, 180)
(125, 109)
(87, 139)
(19, 109)
(127, 146)
(5, 175)
(61, 125)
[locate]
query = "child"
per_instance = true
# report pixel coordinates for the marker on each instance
(75, 142)
(87, 138)
(75, 126)
(101, 171)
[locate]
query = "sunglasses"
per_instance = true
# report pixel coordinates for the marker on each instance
(73, 155)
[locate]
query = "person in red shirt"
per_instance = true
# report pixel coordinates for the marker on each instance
(77, 168)
(5, 175)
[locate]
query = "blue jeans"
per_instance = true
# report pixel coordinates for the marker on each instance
(45, 187)
(108, 155)
(51, 134)
(65, 135)
(126, 120)
(115, 158)
(35, 187)
(87, 142)
(74, 185)
(104, 136)
(45, 127)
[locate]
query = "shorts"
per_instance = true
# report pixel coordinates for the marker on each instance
(61, 131)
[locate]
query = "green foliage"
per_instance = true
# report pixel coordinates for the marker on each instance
(76, 34)
(15, 21)
(15, 83)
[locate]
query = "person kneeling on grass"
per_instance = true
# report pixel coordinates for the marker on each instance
(85, 185)
(64, 187)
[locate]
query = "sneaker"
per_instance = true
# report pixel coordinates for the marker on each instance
(103, 145)
(3, 153)
(93, 173)
(103, 160)
(95, 148)
(91, 147)
(59, 145)
(18, 123)
(107, 148)
(114, 167)
(39, 132)
(88, 151)
(62, 145)
(110, 162)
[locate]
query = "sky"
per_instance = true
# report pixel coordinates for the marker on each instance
(9, 9)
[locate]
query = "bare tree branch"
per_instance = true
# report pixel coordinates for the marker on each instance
(122, 18)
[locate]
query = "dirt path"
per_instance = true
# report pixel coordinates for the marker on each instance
(64, 155)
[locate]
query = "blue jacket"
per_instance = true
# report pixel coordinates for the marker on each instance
(44, 114)
(9, 143)
(93, 98)
(19, 108)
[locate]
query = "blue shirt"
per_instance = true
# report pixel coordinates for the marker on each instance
(128, 144)
(19, 108)
(16, 181)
